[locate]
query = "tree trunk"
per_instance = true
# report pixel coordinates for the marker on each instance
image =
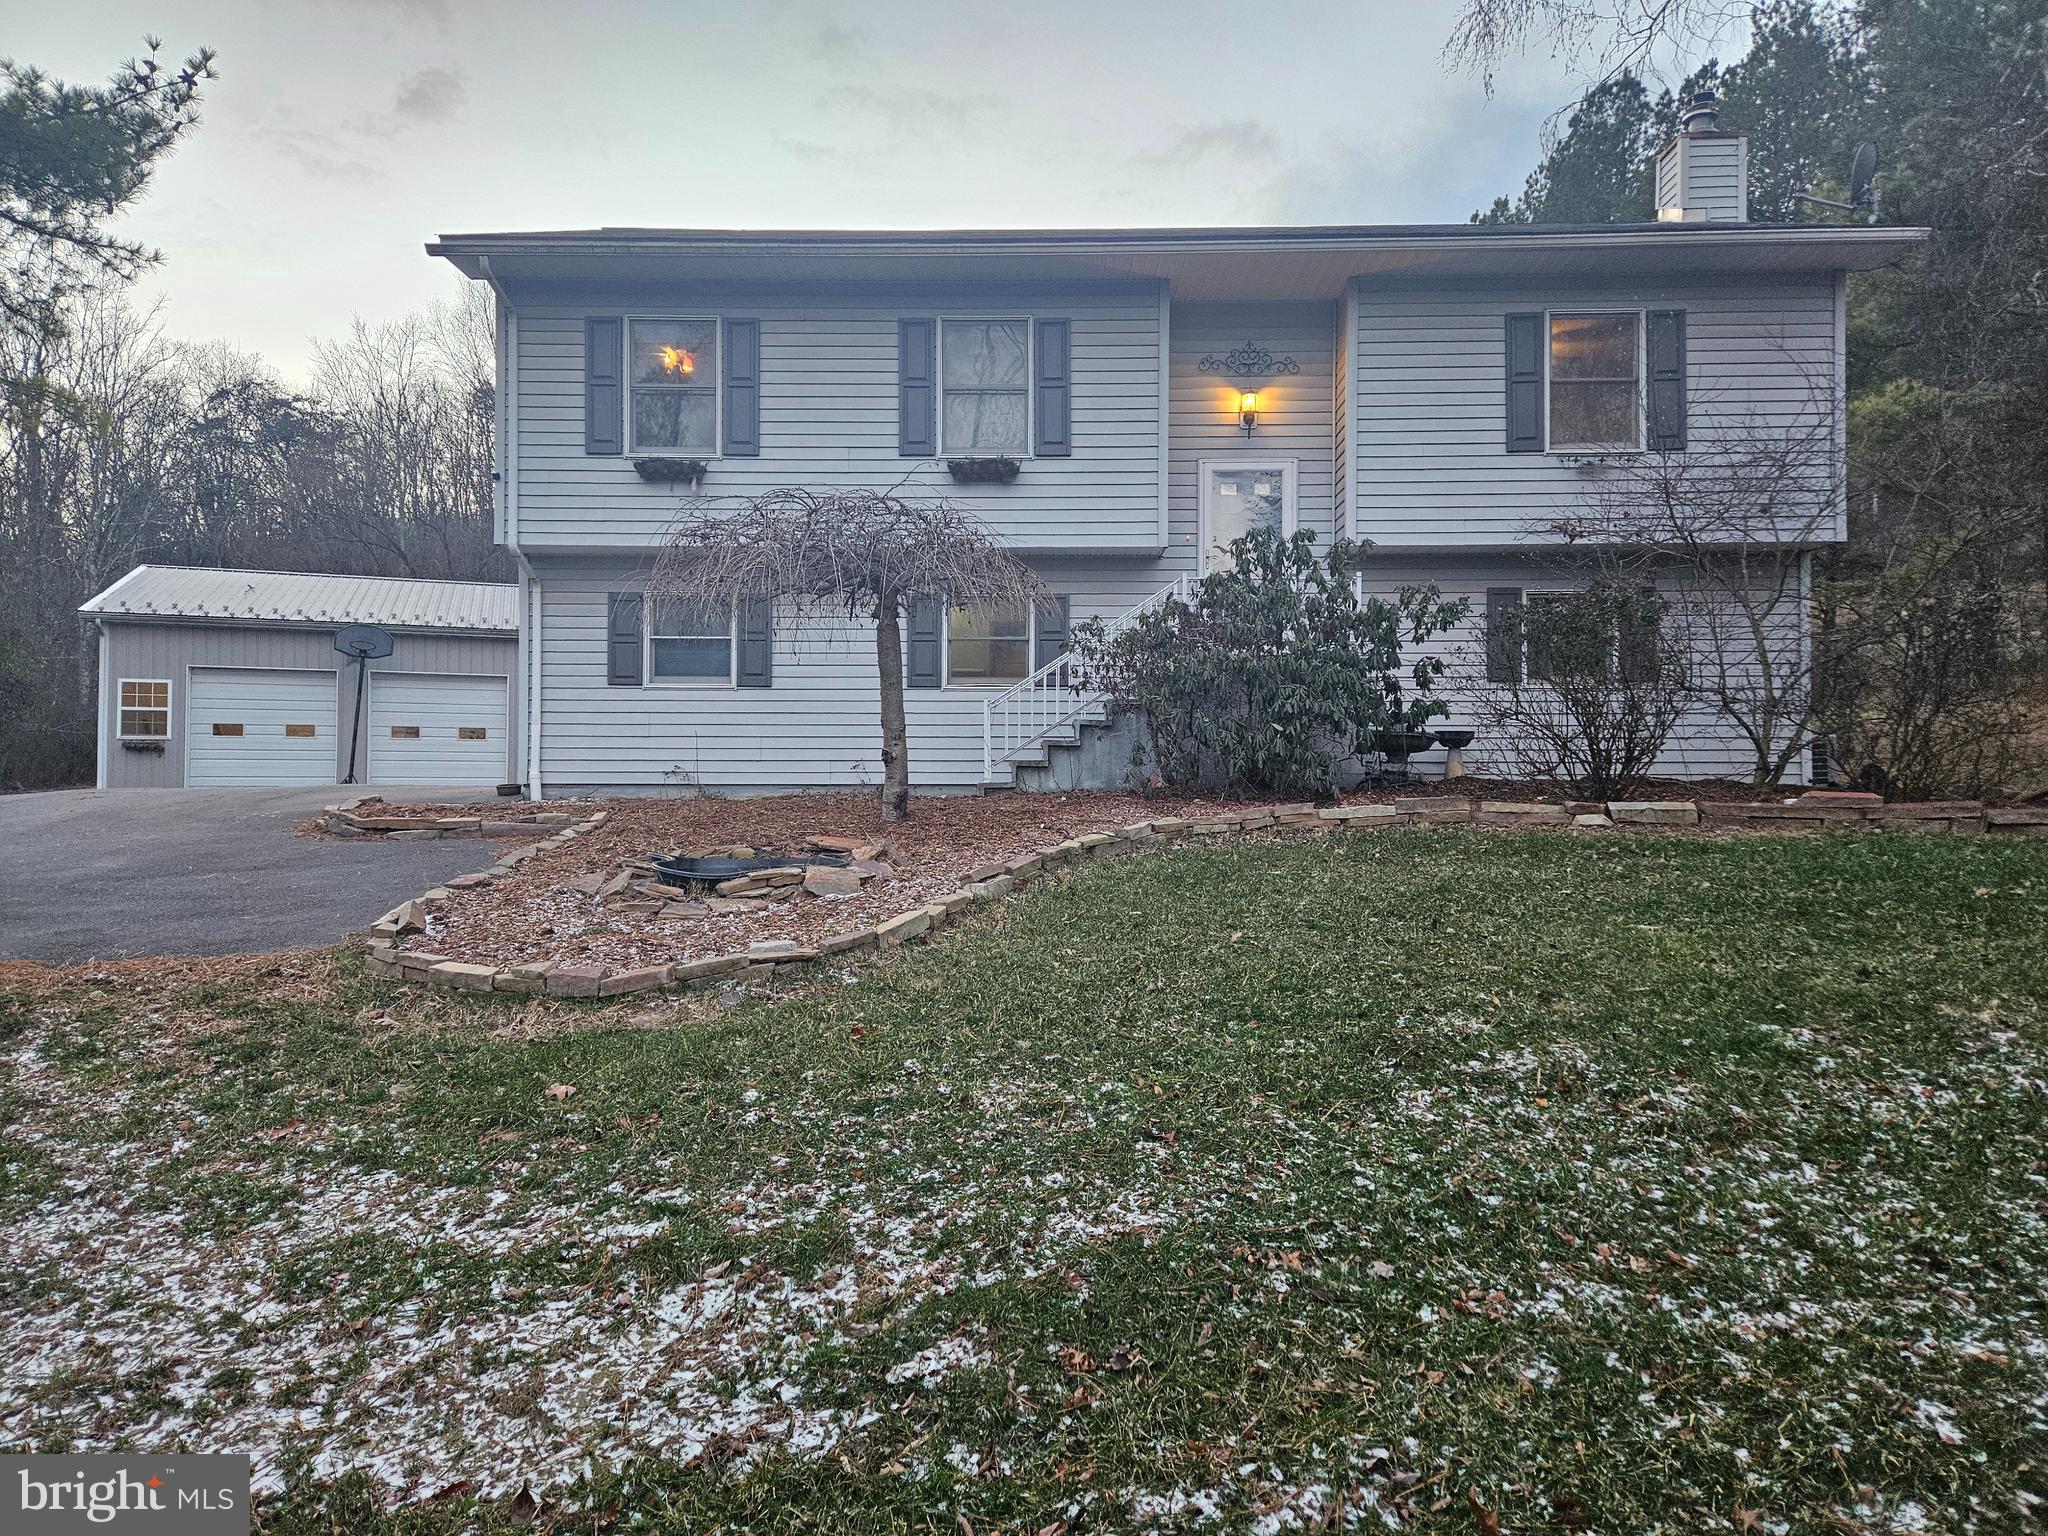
(895, 739)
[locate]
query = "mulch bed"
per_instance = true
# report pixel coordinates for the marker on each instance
(535, 913)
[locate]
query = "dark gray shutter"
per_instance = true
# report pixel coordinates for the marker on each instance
(1053, 626)
(604, 384)
(622, 639)
(1503, 634)
(757, 643)
(1667, 380)
(917, 388)
(1525, 383)
(740, 418)
(927, 618)
(1052, 435)
(1638, 645)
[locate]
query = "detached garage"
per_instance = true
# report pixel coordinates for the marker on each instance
(218, 678)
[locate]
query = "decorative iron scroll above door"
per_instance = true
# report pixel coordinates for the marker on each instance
(1249, 361)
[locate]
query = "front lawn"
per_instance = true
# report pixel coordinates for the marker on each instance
(1420, 1180)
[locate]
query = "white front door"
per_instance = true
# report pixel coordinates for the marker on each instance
(1239, 495)
(259, 726)
(436, 728)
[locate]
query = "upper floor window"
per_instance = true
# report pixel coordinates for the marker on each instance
(673, 371)
(988, 643)
(1596, 382)
(689, 643)
(145, 710)
(984, 387)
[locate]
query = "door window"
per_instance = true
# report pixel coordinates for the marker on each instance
(1237, 498)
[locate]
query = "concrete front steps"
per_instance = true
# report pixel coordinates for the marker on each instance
(1090, 751)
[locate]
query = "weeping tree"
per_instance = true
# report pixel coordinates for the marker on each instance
(856, 554)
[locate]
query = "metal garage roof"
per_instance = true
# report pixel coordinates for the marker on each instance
(304, 597)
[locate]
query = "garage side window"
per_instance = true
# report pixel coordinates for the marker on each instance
(145, 709)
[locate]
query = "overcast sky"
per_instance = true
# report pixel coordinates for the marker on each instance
(342, 135)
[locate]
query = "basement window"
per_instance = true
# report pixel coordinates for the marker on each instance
(145, 709)
(988, 643)
(690, 643)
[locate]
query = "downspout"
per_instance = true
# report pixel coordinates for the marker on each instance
(504, 464)
(100, 708)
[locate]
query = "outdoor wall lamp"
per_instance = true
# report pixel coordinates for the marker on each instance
(1248, 411)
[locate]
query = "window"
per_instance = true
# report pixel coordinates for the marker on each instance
(1594, 633)
(984, 386)
(673, 370)
(689, 643)
(1596, 391)
(145, 710)
(1566, 637)
(988, 643)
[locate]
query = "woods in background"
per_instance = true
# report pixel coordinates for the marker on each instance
(120, 444)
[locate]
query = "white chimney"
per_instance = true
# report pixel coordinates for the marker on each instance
(1703, 173)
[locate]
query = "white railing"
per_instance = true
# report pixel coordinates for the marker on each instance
(1025, 713)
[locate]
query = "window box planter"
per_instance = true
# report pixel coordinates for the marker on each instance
(143, 746)
(671, 471)
(983, 471)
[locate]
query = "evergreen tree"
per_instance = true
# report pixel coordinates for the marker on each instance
(71, 158)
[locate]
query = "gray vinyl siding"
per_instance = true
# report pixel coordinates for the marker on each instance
(1427, 466)
(828, 418)
(1340, 402)
(1295, 410)
(1704, 744)
(817, 726)
(1714, 178)
(169, 652)
(1668, 189)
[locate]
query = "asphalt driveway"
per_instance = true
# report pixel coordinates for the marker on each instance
(92, 874)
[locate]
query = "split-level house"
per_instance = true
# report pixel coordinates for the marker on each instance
(1118, 404)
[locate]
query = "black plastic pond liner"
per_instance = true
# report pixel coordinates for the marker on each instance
(674, 869)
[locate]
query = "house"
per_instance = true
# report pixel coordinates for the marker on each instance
(222, 677)
(1117, 404)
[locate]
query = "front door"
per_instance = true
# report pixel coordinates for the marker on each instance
(1239, 495)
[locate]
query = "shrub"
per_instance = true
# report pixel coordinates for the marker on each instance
(1273, 671)
(1595, 682)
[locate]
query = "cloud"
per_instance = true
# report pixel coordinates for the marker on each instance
(831, 41)
(1241, 141)
(916, 109)
(321, 155)
(432, 10)
(430, 96)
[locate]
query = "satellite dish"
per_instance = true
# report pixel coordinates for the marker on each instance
(1862, 186)
(1861, 172)
(365, 642)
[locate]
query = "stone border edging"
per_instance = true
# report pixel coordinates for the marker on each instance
(991, 882)
(347, 820)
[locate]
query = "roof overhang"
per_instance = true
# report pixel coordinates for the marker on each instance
(1315, 262)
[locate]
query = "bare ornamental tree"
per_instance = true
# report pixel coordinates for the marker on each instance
(860, 554)
(1735, 516)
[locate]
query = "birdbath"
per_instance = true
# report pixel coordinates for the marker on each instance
(1454, 744)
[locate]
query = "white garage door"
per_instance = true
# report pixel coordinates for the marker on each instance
(431, 729)
(259, 727)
